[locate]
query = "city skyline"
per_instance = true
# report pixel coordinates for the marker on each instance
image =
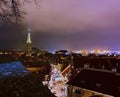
(81, 24)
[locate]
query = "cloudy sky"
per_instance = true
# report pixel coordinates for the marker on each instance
(71, 24)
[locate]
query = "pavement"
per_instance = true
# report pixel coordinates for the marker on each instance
(59, 90)
(57, 84)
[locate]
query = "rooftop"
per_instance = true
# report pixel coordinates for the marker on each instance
(98, 80)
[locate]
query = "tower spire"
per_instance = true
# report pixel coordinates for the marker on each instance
(29, 37)
(28, 41)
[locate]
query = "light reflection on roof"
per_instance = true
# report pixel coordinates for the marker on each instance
(12, 69)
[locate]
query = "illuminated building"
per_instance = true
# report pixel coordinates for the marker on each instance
(29, 42)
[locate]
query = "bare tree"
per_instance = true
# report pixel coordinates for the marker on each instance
(11, 11)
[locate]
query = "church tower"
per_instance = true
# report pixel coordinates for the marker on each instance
(28, 42)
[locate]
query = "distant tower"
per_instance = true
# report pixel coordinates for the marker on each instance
(28, 42)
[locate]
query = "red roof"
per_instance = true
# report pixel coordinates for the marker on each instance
(66, 70)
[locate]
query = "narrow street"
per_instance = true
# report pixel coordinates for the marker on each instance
(57, 84)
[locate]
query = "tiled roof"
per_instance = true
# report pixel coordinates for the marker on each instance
(97, 80)
(16, 81)
(66, 70)
(12, 69)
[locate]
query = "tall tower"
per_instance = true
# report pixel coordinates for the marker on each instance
(28, 42)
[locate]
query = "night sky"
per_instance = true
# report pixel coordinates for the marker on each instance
(69, 24)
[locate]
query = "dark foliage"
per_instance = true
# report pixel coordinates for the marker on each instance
(26, 86)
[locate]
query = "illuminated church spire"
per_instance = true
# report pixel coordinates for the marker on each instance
(28, 37)
(28, 42)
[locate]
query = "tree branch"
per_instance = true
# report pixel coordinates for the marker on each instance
(10, 10)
